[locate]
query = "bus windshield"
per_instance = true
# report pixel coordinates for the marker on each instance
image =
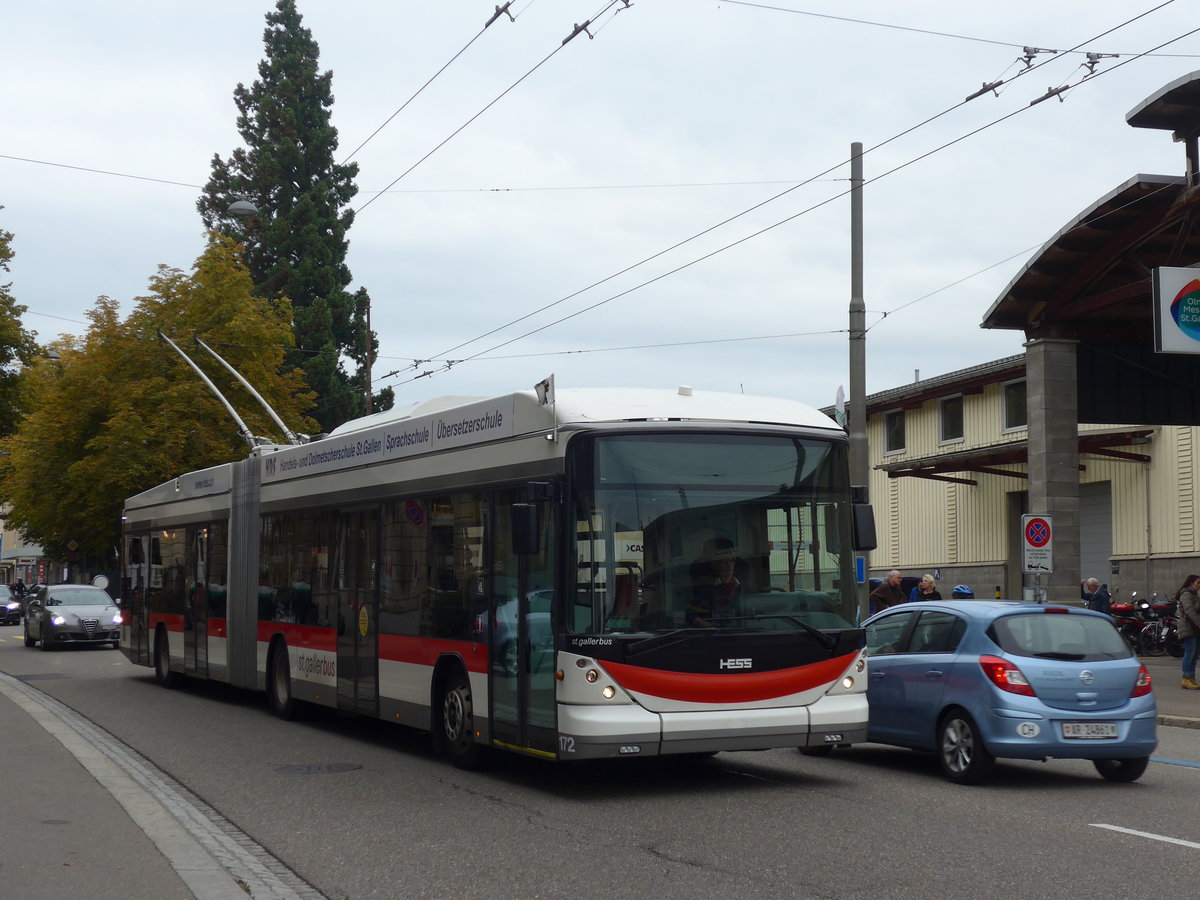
(707, 530)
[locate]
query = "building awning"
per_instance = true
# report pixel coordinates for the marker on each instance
(985, 460)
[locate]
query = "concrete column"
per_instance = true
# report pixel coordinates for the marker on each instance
(1053, 407)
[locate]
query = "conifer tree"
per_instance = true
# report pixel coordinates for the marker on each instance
(296, 245)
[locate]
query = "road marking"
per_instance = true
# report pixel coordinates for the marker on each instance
(1174, 762)
(1147, 834)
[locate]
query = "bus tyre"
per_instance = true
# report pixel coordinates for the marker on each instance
(279, 683)
(162, 660)
(458, 723)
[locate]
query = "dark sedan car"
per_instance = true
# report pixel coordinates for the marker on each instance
(10, 607)
(61, 614)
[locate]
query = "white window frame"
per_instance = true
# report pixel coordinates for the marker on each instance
(887, 431)
(1005, 428)
(962, 421)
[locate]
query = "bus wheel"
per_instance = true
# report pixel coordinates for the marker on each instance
(162, 660)
(458, 723)
(279, 682)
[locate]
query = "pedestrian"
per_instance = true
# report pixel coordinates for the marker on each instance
(889, 592)
(1095, 596)
(1189, 628)
(926, 589)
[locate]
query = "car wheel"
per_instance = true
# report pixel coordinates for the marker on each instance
(279, 683)
(162, 661)
(961, 752)
(29, 642)
(45, 641)
(458, 723)
(1123, 770)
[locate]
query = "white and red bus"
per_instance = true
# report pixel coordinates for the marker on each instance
(549, 575)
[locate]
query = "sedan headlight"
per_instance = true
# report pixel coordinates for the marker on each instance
(12, 604)
(57, 620)
(117, 619)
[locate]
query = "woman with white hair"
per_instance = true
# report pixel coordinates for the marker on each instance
(926, 589)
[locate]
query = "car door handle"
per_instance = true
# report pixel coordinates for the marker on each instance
(877, 675)
(933, 674)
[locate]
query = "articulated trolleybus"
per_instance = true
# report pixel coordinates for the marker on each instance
(595, 574)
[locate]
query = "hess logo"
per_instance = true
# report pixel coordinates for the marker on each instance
(736, 663)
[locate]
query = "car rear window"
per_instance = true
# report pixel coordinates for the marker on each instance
(1048, 635)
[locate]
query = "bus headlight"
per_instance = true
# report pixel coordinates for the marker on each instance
(848, 682)
(609, 692)
(591, 675)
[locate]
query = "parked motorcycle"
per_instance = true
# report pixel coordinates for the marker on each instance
(1129, 620)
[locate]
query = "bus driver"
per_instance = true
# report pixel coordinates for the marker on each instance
(717, 591)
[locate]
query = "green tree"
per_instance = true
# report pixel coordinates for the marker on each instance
(296, 245)
(118, 411)
(17, 346)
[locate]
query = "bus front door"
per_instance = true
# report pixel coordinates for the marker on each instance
(358, 611)
(521, 646)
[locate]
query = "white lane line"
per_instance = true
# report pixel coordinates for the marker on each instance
(1147, 834)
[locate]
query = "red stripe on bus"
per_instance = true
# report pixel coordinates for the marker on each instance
(173, 621)
(732, 688)
(427, 651)
(307, 637)
(218, 628)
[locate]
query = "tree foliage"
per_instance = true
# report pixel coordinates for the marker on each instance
(296, 244)
(119, 411)
(17, 346)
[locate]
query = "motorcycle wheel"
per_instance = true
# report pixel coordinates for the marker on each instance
(1174, 644)
(1152, 642)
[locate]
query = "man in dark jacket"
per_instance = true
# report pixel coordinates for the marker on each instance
(889, 593)
(1095, 596)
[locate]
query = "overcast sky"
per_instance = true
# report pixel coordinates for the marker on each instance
(677, 116)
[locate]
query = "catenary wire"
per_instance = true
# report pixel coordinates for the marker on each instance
(784, 221)
(644, 261)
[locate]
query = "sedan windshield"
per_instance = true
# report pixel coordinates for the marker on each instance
(696, 530)
(80, 596)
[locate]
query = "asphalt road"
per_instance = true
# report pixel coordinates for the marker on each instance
(364, 809)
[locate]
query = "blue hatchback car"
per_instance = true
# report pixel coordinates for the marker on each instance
(980, 680)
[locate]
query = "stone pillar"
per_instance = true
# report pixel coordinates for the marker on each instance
(1052, 402)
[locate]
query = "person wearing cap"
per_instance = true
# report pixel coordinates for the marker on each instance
(1095, 596)
(719, 592)
(889, 592)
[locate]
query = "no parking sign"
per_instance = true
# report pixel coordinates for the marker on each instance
(1037, 537)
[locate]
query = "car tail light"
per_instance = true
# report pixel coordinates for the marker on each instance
(1006, 676)
(1143, 685)
(1057, 609)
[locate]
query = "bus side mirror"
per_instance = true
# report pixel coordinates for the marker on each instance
(864, 527)
(524, 529)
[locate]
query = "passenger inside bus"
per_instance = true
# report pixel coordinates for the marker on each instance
(717, 584)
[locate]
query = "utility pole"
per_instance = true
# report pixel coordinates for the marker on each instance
(856, 418)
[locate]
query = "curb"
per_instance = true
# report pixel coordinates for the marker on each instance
(1180, 721)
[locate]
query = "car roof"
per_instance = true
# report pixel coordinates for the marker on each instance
(984, 610)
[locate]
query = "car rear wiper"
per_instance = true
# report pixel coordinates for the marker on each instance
(1064, 656)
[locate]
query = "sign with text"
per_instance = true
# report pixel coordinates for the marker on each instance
(1037, 539)
(1176, 307)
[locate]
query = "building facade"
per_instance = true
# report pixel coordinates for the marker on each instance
(950, 483)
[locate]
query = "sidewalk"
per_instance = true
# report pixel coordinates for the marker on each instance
(66, 834)
(1176, 706)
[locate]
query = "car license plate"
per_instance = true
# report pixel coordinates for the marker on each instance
(1089, 730)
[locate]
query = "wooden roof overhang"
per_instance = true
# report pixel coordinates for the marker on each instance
(986, 460)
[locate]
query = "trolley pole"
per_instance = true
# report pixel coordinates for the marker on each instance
(856, 417)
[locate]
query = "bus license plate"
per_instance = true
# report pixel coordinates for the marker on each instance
(1089, 730)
